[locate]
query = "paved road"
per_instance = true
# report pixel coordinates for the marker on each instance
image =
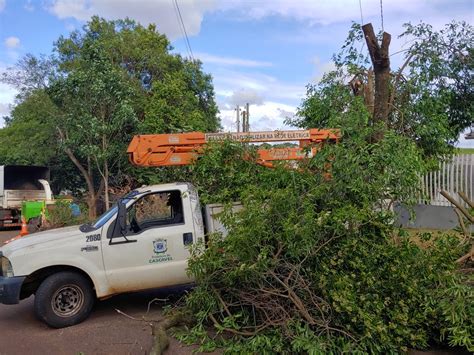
(105, 332)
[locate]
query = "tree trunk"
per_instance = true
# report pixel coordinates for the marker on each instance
(92, 196)
(381, 63)
(105, 172)
(106, 186)
(88, 177)
(92, 205)
(369, 92)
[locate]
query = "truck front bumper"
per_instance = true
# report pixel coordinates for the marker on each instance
(10, 288)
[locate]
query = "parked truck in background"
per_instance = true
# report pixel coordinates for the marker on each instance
(19, 183)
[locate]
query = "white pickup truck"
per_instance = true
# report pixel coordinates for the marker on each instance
(141, 243)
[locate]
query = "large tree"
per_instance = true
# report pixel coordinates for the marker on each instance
(97, 116)
(28, 127)
(108, 81)
(429, 98)
(29, 138)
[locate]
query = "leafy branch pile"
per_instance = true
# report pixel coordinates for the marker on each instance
(314, 264)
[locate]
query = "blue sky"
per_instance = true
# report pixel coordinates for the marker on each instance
(262, 52)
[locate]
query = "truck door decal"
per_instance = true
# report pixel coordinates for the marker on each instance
(160, 247)
(90, 248)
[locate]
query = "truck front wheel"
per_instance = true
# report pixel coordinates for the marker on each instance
(64, 299)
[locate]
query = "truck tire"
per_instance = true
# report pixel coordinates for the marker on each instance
(64, 299)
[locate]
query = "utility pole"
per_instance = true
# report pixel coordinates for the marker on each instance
(244, 121)
(245, 118)
(237, 109)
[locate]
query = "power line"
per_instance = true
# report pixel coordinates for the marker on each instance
(180, 26)
(188, 44)
(361, 24)
(361, 16)
(381, 14)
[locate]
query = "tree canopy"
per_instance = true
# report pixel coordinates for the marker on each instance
(101, 85)
(430, 96)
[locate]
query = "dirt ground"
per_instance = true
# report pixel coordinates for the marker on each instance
(104, 332)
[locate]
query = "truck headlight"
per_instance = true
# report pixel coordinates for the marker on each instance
(7, 270)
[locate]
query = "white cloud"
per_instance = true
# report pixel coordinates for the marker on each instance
(7, 97)
(244, 96)
(321, 12)
(268, 116)
(230, 61)
(2, 5)
(326, 23)
(29, 6)
(77, 9)
(4, 111)
(321, 68)
(12, 42)
(162, 13)
(271, 101)
(70, 27)
(228, 82)
(327, 12)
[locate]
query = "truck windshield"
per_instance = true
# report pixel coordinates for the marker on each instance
(113, 210)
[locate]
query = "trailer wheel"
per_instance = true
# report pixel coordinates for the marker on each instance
(64, 299)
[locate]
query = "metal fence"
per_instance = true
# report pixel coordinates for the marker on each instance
(456, 175)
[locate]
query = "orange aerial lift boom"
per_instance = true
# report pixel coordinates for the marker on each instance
(182, 148)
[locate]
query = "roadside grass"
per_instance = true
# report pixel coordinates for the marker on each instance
(465, 150)
(424, 237)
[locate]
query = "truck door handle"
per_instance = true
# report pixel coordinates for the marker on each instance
(187, 238)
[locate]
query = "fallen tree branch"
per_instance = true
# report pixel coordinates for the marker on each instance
(143, 319)
(458, 209)
(159, 332)
(235, 331)
(221, 301)
(466, 257)
(155, 300)
(458, 205)
(461, 223)
(466, 199)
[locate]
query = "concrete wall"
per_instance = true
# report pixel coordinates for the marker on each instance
(427, 216)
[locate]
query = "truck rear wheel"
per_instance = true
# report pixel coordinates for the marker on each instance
(64, 299)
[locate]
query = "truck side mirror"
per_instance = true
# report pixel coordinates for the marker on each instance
(122, 216)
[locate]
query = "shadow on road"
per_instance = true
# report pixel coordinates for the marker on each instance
(105, 332)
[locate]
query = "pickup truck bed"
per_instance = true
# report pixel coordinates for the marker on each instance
(211, 217)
